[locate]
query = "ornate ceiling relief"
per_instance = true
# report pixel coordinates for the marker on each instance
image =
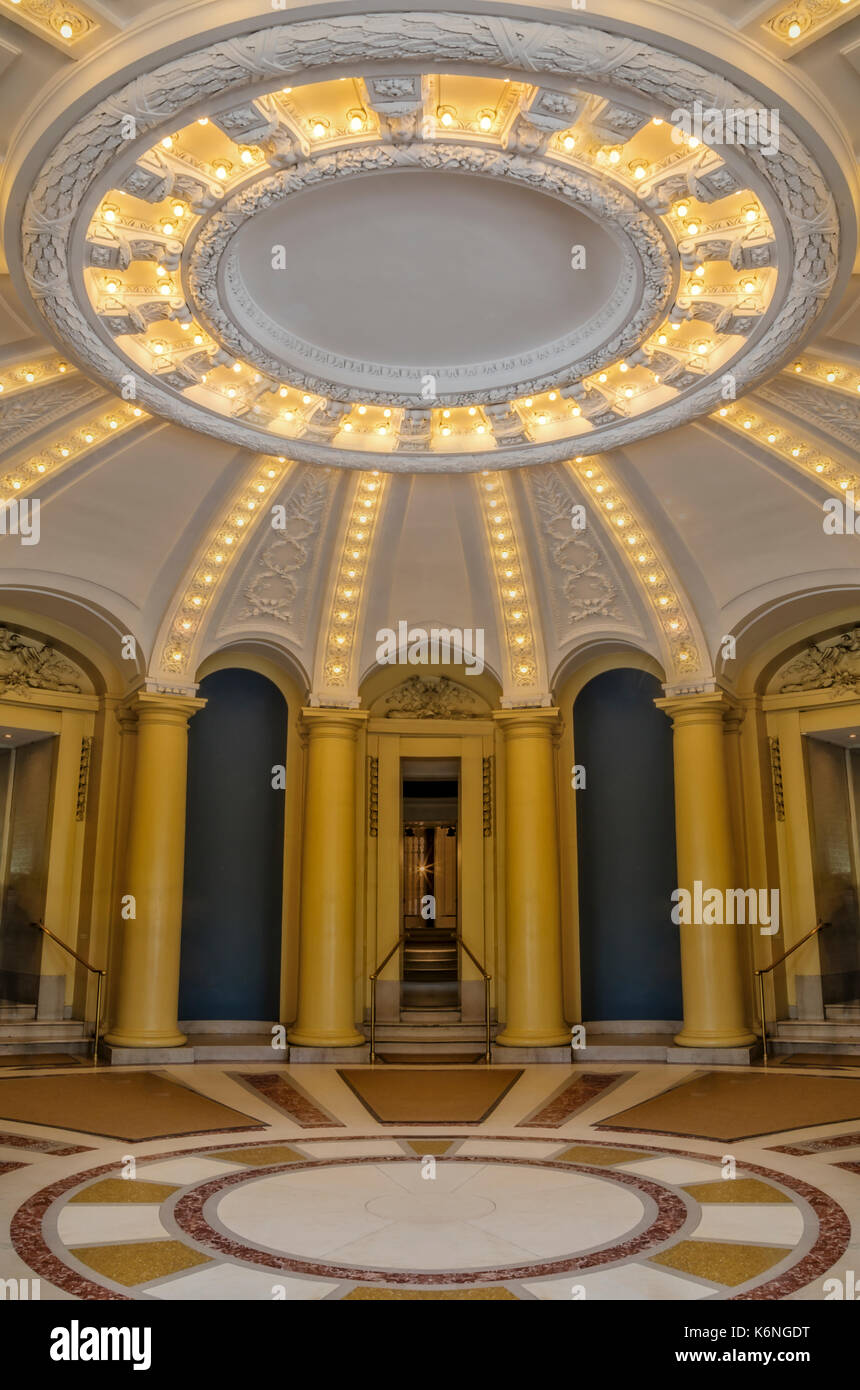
(583, 583)
(29, 412)
(686, 656)
(525, 680)
(216, 289)
(25, 474)
(129, 246)
(431, 697)
(832, 665)
(180, 637)
(836, 413)
(789, 444)
(27, 664)
(279, 582)
(337, 674)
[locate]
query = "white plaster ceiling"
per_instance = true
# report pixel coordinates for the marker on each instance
(392, 272)
(411, 269)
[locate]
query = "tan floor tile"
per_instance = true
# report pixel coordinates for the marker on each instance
(140, 1261)
(722, 1262)
(111, 1190)
(736, 1190)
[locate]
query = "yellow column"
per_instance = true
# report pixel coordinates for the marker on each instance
(535, 1014)
(148, 991)
(326, 1016)
(714, 1013)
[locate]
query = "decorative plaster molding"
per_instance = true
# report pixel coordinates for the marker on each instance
(431, 697)
(674, 617)
(581, 580)
(837, 414)
(181, 634)
(790, 180)
(277, 585)
(337, 681)
(215, 283)
(518, 625)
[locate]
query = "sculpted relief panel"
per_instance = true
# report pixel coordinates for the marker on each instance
(830, 665)
(27, 664)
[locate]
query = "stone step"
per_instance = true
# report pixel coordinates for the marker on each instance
(408, 1050)
(430, 1016)
(429, 1033)
(75, 1047)
(15, 1013)
(817, 1030)
(785, 1046)
(839, 1013)
(43, 1030)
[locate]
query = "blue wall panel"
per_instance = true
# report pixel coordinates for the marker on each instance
(231, 921)
(630, 949)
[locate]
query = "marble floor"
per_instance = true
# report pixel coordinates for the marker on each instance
(540, 1200)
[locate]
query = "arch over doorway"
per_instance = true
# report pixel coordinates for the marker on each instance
(232, 897)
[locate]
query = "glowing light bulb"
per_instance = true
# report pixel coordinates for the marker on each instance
(221, 172)
(246, 157)
(794, 30)
(568, 142)
(66, 30)
(167, 142)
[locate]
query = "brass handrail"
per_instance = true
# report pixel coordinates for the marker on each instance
(488, 1055)
(94, 969)
(374, 977)
(765, 969)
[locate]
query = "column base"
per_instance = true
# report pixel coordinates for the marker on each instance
(298, 1037)
(691, 1038)
(551, 1038)
(117, 1037)
(533, 1055)
(331, 1056)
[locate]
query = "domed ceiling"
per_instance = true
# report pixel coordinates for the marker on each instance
(319, 322)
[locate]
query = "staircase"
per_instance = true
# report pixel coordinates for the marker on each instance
(22, 1034)
(837, 1033)
(431, 1036)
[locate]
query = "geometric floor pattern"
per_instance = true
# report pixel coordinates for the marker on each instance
(493, 1210)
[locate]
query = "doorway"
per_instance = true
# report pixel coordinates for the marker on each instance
(430, 890)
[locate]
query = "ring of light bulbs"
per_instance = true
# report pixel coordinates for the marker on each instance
(551, 425)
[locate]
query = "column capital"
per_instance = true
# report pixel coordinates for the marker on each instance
(153, 708)
(544, 720)
(333, 719)
(709, 708)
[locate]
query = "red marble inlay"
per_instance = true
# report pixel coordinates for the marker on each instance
(819, 1146)
(829, 1246)
(10, 1167)
(576, 1094)
(43, 1146)
(289, 1100)
(672, 1213)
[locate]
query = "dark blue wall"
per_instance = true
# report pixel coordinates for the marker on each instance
(231, 919)
(629, 947)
